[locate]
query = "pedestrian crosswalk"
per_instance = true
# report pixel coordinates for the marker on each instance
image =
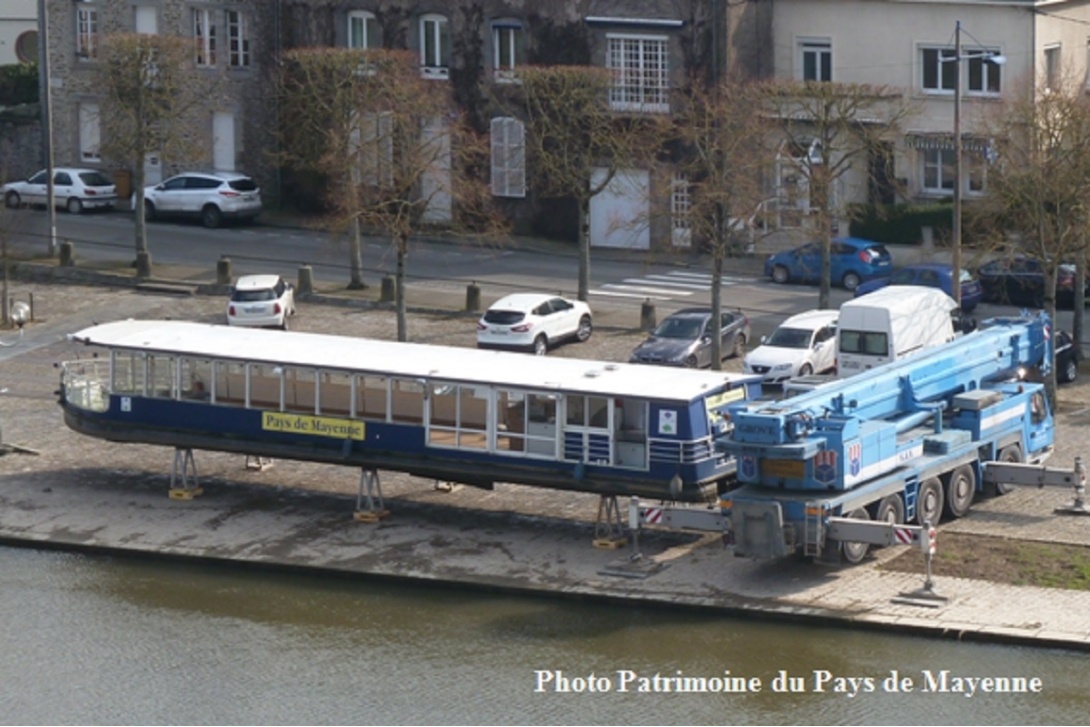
(664, 286)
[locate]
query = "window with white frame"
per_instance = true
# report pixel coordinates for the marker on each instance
(372, 143)
(508, 49)
(146, 19)
(640, 72)
(89, 138)
(816, 59)
(508, 141)
(939, 69)
(238, 40)
(204, 33)
(681, 212)
(1052, 67)
(434, 47)
(940, 171)
(86, 33)
(362, 30)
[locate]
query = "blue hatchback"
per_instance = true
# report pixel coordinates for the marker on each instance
(853, 260)
(931, 275)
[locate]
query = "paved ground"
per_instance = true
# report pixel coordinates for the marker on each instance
(83, 493)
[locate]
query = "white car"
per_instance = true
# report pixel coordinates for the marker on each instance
(73, 189)
(802, 345)
(211, 197)
(261, 300)
(533, 322)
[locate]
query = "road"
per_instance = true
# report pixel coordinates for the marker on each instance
(621, 281)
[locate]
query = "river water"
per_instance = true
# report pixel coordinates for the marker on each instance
(95, 639)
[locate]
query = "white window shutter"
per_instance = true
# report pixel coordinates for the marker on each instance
(508, 142)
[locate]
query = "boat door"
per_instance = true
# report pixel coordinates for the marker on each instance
(588, 428)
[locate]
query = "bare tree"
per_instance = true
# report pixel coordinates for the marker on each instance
(1039, 184)
(721, 158)
(571, 132)
(151, 104)
(834, 129)
(395, 157)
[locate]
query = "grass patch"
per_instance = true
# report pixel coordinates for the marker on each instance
(1001, 560)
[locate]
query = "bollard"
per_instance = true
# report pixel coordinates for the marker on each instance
(647, 315)
(223, 271)
(473, 297)
(68, 254)
(306, 280)
(143, 265)
(388, 287)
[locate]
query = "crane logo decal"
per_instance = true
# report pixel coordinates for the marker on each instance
(855, 458)
(825, 467)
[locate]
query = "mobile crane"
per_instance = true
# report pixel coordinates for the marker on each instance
(906, 442)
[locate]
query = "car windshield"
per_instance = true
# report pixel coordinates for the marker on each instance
(902, 276)
(686, 328)
(250, 296)
(503, 317)
(790, 338)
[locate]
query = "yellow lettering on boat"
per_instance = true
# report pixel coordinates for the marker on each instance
(316, 426)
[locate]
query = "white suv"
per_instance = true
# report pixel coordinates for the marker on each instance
(210, 196)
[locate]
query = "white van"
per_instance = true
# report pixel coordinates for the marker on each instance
(891, 323)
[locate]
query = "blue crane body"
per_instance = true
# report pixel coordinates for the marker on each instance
(903, 442)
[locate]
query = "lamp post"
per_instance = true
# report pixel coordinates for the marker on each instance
(46, 86)
(989, 57)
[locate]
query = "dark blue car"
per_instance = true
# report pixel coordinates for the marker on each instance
(853, 260)
(931, 275)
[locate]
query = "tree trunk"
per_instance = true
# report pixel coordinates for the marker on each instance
(399, 287)
(584, 248)
(819, 191)
(355, 254)
(717, 307)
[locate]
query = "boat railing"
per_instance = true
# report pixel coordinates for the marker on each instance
(85, 384)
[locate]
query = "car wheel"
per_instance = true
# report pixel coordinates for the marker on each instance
(13, 200)
(850, 281)
(541, 345)
(211, 216)
(74, 206)
(149, 210)
(284, 322)
(739, 349)
(585, 329)
(1070, 370)
(779, 274)
(691, 362)
(806, 369)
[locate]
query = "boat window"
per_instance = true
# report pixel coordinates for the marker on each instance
(231, 383)
(197, 379)
(335, 393)
(407, 401)
(299, 389)
(264, 387)
(458, 416)
(128, 373)
(161, 378)
(371, 397)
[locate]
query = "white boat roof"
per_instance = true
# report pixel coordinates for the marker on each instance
(410, 360)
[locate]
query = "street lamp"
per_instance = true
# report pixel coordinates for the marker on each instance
(989, 57)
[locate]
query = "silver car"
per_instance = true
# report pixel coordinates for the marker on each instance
(685, 338)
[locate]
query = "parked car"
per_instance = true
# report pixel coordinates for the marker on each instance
(73, 189)
(261, 300)
(1067, 358)
(211, 197)
(1020, 280)
(534, 322)
(853, 260)
(804, 344)
(685, 338)
(931, 275)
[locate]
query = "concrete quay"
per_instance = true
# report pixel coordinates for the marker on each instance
(78, 493)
